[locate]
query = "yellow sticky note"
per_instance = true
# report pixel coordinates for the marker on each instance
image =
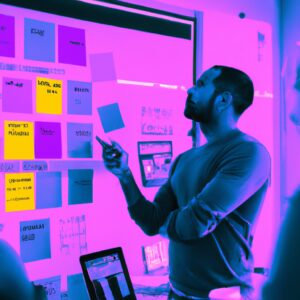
(18, 140)
(19, 192)
(48, 96)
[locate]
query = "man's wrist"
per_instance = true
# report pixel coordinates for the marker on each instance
(125, 176)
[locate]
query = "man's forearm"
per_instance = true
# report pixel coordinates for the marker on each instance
(130, 188)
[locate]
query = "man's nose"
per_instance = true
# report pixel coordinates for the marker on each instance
(190, 90)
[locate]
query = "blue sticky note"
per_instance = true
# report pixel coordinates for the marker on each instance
(110, 117)
(39, 40)
(80, 186)
(80, 140)
(76, 287)
(35, 240)
(79, 98)
(48, 190)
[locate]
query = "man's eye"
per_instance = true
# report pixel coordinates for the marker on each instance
(200, 83)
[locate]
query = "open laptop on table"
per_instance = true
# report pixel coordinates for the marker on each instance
(106, 275)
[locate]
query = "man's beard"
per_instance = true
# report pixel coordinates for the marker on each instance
(203, 115)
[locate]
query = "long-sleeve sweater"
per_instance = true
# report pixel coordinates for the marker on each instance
(209, 205)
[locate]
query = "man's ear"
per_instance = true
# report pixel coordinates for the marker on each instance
(223, 101)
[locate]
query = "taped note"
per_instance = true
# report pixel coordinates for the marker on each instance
(19, 192)
(18, 140)
(48, 96)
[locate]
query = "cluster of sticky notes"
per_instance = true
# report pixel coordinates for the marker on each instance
(28, 140)
(39, 41)
(35, 240)
(28, 191)
(17, 96)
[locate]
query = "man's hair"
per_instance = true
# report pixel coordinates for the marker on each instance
(238, 84)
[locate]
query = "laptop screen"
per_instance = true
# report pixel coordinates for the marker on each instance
(106, 275)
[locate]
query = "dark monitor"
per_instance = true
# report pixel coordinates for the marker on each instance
(106, 275)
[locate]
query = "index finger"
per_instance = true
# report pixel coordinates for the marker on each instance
(117, 146)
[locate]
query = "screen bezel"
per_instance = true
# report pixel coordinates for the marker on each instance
(99, 254)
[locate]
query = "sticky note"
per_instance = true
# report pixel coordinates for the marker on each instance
(80, 187)
(110, 117)
(102, 67)
(7, 36)
(47, 140)
(48, 190)
(18, 140)
(52, 287)
(19, 192)
(76, 287)
(39, 40)
(16, 95)
(35, 240)
(79, 98)
(48, 96)
(71, 45)
(80, 140)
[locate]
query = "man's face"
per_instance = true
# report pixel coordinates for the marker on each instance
(199, 105)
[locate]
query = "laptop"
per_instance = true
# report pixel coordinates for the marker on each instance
(106, 275)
